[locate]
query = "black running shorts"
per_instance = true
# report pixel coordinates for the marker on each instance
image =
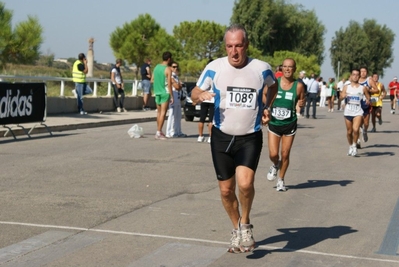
(287, 130)
(229, 152)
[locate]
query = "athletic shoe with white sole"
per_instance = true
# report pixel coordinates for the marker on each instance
(272, 174)
(280, 185)
(350, 150)
(247, 243)
(354, 151)
(235, 242)
(200, 139)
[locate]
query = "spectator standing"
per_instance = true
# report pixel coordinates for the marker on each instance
(323, 95)
(79, 71)
(207, 110)
(303, 80)
(331, 94)
(393, 85)
(340, 86)
(117, 84)
(241, 86)
(145, 71)
(173, 125)
(313, 91)
(162, 81)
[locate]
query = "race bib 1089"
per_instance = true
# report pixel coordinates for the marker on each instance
(238, 97)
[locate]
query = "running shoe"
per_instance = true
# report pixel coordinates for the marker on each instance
(235, 242)
(373, 130)
(82, 112)
(209, 140)
(354, 151)
(200, 139)
(280, 185)
(160, 136)
(379, 120)
(247, 243)
(350, 150)
(272, 174)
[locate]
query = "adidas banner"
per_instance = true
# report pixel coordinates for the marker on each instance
(22, 103)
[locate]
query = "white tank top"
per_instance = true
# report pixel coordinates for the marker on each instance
(353, 97)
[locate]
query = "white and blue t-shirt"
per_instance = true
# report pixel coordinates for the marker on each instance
(239, 91)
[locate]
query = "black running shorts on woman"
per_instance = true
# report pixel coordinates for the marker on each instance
(229, 151)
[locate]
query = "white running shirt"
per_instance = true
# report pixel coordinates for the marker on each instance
(354, 96)
(238, 99)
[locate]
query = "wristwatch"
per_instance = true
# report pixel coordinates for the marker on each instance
(266, 107)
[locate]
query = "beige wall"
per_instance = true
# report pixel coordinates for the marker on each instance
(58, 105)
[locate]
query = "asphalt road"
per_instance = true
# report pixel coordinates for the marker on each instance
(96, 197)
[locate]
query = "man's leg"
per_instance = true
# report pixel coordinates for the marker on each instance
(349, 131)
(122, 98)
(115, 95)
(373, 118)
(274, 146)
(246, 191)
(230, 200)
(308, 101)
(79, 95)
(286, 144)
(162, 115)
(314, 100)
(356, 123)
(146, 97)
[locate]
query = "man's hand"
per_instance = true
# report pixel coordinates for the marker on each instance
(205, 96)
(265, 116)
(301, 102)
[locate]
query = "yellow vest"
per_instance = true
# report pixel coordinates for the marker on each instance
(77, 75)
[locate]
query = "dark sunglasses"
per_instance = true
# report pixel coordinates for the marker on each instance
(174, 67)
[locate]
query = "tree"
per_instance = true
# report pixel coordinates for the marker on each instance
(200, 40)
(362, 45)
(359, 45)
(349, 46)
(22, 44)
(309, 64)
(141, 38)
(275, 25)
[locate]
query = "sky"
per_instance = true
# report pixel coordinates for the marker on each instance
(69, 24)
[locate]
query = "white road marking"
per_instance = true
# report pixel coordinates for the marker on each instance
(193, 240)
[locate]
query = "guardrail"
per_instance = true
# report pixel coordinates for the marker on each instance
(136, 84)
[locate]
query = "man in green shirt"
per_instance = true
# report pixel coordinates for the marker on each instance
(162, 83)
(283, 124)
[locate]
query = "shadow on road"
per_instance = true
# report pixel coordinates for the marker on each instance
(300, 238)
(319, 183)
